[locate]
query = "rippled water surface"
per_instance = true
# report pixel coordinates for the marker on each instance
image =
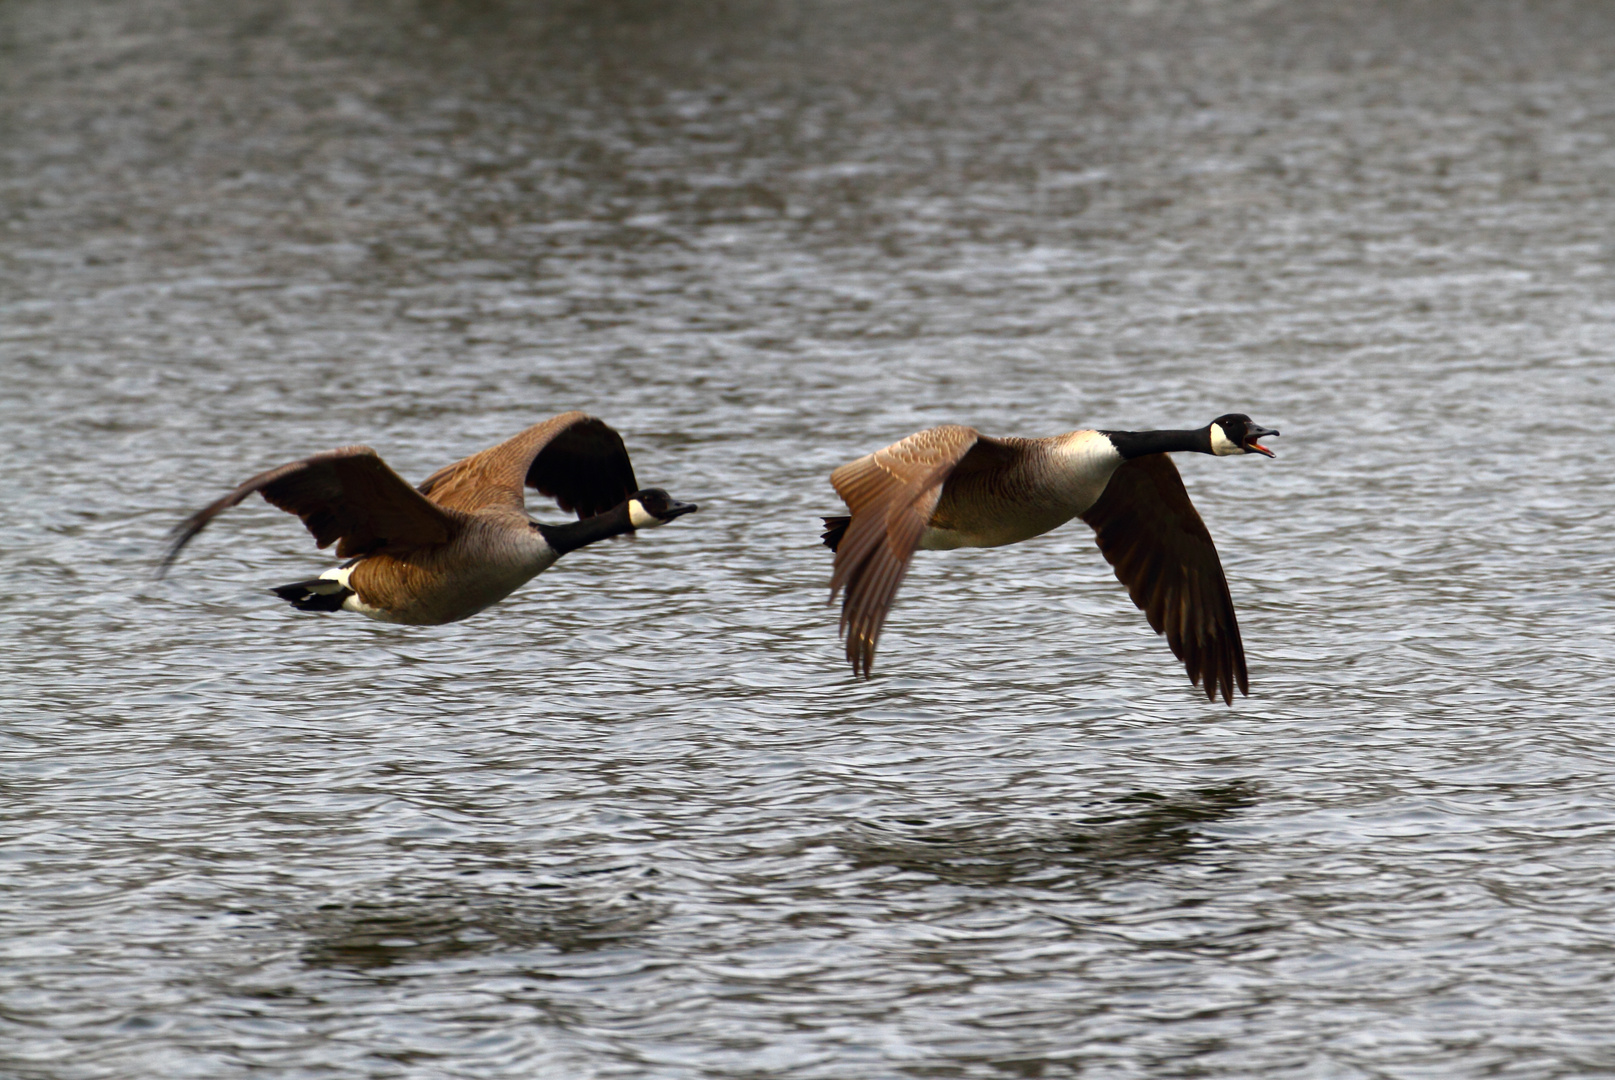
(638, 820)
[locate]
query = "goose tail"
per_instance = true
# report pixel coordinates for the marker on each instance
(316, 594)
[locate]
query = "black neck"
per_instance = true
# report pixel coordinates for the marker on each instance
(1134, 444)
(576, 534)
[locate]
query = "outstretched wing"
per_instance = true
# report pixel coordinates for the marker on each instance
(575, 458)
(1149, 531)
(892, 494)
(346, 496)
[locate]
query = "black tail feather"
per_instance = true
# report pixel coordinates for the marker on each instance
(319, 594)
(834, 529)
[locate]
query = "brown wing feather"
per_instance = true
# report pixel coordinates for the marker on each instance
(892, 494)
(348, 496)
(1149, 531)
(574, 458)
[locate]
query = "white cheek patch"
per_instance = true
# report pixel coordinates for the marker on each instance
(1221, 444)
(640, 518)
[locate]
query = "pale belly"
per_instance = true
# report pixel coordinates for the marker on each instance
(1016, 507)
(990, 535)
(431, 600)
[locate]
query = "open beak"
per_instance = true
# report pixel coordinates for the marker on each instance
(1252, 433)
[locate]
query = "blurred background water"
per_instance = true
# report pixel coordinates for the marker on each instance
(638, 820)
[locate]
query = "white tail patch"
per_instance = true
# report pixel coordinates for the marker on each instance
(338, 575)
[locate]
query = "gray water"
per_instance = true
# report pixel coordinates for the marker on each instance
(638, 820)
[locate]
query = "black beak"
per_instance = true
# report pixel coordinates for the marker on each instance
(1254, 432)
(677, 509)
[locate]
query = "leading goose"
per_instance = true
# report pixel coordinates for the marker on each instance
(462, 540)
(951, 487)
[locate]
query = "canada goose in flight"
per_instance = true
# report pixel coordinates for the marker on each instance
(951, 487)
(462, 540)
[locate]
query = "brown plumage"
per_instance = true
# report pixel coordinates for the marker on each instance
(460, 541)
(951, 487)
(347, 496)
(574, 458)
(893, 495)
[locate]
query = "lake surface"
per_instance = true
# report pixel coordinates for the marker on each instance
(639, 820)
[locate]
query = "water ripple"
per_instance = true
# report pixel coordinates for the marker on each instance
(638, 820)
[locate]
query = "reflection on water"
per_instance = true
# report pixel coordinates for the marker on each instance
(637, 821)
(1144, 829)
(440, 926)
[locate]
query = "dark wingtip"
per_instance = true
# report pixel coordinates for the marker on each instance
(160, 571)
(834, 529)
(1229, 680)
(178, 537)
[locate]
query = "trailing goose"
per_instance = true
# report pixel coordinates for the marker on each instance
(460, 542)
(951, 487)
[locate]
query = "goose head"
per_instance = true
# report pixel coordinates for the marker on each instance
(651, 507)
(1236, 434)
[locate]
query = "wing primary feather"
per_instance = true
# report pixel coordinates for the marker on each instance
(1148, 530)
(576, 459)
(891, 494)
(346, 496)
